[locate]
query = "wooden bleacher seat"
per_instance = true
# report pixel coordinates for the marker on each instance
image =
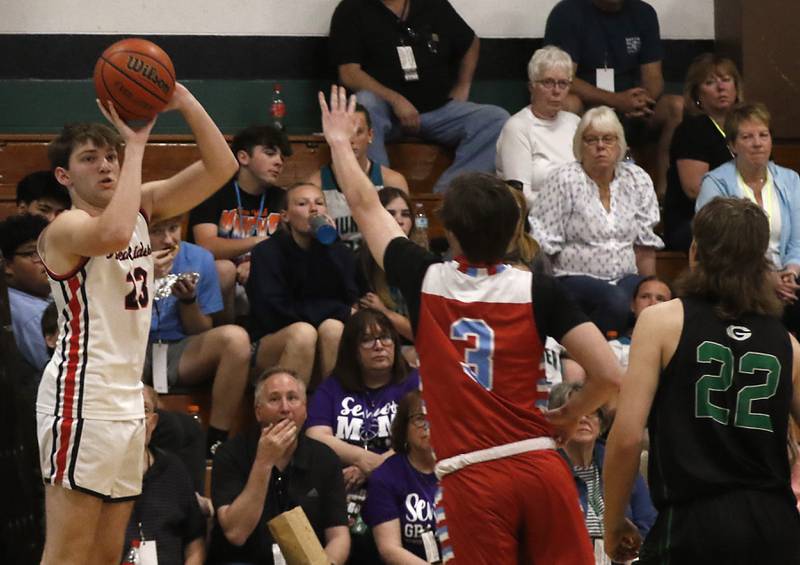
(422, 163)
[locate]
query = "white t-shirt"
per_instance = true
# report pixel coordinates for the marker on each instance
(529, 148)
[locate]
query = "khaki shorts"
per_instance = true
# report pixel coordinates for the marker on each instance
(103, 458)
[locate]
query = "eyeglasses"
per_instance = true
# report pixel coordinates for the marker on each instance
(551, 83)
(419, 421)
(371, 341)
(594, 140)
(31, 255)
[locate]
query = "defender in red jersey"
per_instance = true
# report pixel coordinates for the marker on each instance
(90, 412)
(480, 328)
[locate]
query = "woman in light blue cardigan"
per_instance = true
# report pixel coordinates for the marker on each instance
(776, 189)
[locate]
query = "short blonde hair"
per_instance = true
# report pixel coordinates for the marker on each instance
(546, 58)
(601, 118)
(755, 112)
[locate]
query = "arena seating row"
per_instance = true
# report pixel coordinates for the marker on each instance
(421, 163)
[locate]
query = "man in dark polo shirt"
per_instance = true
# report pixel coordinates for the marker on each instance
(270, 470)
(411, 64)
(616, 49)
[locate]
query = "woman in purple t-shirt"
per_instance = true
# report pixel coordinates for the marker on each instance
(400, 495)
(352, 410)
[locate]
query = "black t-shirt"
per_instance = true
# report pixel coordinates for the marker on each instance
(555, 312)
(368, 33)
(698, 139)
(222, 210)
(312, 480)
(720, 412)
(622, 40)
(167, 509)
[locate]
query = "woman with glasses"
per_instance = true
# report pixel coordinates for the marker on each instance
(400, 499)
(713, 87)
(353, 409)
(595, 220)
(538, 138)
(585, 456)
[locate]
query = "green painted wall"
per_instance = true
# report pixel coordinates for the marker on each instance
(44, 106)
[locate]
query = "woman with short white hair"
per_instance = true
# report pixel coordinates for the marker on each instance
(538, 138)
(595, 218)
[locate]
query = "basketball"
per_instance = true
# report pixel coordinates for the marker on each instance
(137, 76)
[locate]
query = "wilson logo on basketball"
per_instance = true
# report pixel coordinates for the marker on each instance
(146, 71)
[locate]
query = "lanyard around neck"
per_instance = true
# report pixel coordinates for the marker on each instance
(241, 212)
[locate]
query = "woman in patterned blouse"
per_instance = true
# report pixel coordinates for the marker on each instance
(595, 219)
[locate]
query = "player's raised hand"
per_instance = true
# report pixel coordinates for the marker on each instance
(180, 97)
(622, 541)
(129, 134)
(338, 118)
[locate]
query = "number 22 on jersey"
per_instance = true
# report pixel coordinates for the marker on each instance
(749, 364)
(478, 358)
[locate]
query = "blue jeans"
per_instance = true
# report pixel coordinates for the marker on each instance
(471, 129)
(607, 304)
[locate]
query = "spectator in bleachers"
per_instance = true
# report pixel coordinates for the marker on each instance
(22, 518)
(617, 51)
(49, 326)
(244, 212)
(380, 175)
(41, 194)
(524, 251)
(538, 138)
(167, 513)
(300, 291)
(713, 86)
(411, 64)
(352, 410)
(650, 290)
(400, 498)
(375, 291)
(595, 219)
(272, 469)
(197, 352)
(776, 189)
(585, 455)
(28, 287)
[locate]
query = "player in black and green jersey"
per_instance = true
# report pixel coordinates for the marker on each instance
(714, 376)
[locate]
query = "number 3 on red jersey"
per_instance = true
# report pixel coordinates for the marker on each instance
(477, 359)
